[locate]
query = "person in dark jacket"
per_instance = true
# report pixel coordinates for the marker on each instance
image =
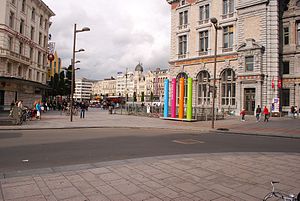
(258, 112)
(83, 108)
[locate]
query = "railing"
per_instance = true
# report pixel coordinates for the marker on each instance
(205, 21)
(14, 55)
(199, 113)
(227, 15)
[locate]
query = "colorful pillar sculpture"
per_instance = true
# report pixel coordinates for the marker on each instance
(166, 98)
(173, 109)
(189, 112)
(181, 98)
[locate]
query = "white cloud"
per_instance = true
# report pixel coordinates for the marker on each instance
(122, 34)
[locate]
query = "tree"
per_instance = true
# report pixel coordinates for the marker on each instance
(61, 89)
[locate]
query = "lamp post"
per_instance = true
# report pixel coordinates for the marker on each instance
(214, 21)
(73, 67)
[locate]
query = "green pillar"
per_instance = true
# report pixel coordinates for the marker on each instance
(189, 99)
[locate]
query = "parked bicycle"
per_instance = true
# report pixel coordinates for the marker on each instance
(280, 195)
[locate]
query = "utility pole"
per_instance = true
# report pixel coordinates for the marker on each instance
(126, 93)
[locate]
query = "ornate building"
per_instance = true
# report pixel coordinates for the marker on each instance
(141, 83)
(24, 27)
(249, 52)
(106, 87)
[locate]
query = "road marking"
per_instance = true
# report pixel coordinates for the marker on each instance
(188, 141)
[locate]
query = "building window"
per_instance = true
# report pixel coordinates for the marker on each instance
(10, 43)
(183, 19)
(40, 38)
(182, 49)
(286, 67)
(31, 53)
(203, 42)
(20, 48)
(37, 76)
(22, 26)
(11, 19)
(182, 2)
(228, 38)
(286, 38)
(32, 33)
(20, 71)
(9, 68)
(204, 13)
(33, 14)
(228, 7)
(23, 5)
(249, 63)
(45, 41)
(41, 21)
(298, 4)
(298, 33)
(203, 88)
(285, 97)
(39, 58)
(30, 74)
(228, 90)
(46, 25)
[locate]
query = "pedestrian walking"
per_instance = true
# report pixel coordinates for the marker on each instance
(258, 112)
(243, 114)
(83, 107)
(266, 114)
(38, 110)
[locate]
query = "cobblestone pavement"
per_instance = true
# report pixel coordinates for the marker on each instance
(96, 118)
(218, 177)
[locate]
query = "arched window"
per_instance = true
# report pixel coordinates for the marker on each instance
(203, 88)
(180, 75)
(228, 87)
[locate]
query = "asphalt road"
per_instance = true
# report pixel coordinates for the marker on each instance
(21, 150)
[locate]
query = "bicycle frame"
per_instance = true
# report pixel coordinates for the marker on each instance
(280, 195)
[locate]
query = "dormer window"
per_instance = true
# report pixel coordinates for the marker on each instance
(182, 2)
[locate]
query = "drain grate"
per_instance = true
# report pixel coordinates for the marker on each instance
(188, 141)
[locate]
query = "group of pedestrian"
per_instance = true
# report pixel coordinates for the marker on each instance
(258, 113)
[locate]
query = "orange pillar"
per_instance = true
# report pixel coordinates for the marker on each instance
(181, 98)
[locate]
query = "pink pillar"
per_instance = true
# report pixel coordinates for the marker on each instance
(173, 109)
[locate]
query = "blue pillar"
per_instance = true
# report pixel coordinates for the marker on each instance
(166, 98)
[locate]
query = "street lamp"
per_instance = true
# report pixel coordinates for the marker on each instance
(73, 67)
(214, 21)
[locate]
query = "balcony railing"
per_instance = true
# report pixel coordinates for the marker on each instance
(205, 21)
(227, 15)
(183, 26)
(14, 56)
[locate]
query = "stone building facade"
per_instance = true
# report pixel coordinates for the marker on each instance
(106, 87)
(290, 52)
(249, 53)
(24, 28)
(142, 84)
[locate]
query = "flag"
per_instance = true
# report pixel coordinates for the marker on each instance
(273, 85)
(279, 84)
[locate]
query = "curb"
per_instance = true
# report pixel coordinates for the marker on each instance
(253, 134)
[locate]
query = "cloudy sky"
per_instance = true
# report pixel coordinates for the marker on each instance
(123, 33)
